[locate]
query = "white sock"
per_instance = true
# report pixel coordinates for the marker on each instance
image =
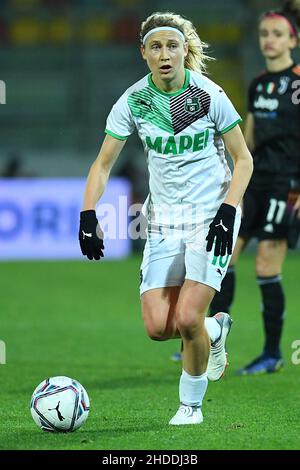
(213, 328)
(192, 388)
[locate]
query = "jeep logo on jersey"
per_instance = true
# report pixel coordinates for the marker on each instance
(192, 105)
(266, 103)
(178, 145)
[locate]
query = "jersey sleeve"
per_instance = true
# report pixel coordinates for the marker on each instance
(223, 113)
(119, 122)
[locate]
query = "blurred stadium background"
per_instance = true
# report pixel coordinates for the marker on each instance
(64, 64)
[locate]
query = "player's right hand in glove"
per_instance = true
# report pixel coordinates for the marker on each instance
(90, 235)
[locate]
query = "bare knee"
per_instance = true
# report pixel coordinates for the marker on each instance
(262, 267)
(157, 334)
(190, 324)
(265, 268)
(157, 311)
(156, 330)
(270, 257)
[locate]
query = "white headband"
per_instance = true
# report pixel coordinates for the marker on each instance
(163, 28)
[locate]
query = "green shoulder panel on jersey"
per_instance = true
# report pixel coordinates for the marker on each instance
(228, 128)
(116, 136)
(151, 106)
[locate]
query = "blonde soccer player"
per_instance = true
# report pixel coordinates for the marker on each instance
(192, 210)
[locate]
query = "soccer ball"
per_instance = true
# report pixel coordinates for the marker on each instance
(59, 404)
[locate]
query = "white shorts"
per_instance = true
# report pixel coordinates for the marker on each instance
(173, 255)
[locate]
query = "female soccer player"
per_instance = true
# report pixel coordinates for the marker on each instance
(272, 202)
(193, 202)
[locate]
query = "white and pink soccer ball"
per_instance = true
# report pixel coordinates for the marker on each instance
(59, 404)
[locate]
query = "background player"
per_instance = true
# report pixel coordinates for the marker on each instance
(178, 112)
(271, 203)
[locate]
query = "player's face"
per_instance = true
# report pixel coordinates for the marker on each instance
(275, 38)
(165, 52)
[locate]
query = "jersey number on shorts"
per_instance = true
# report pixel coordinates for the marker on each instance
(220, 260)
(276, 211)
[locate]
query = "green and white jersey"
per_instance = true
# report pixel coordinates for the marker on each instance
(181, 134)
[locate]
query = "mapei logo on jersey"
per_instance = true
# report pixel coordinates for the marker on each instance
(266, 103)
(174, 145)
(192, 105)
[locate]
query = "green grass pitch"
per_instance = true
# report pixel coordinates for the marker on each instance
(82, 319)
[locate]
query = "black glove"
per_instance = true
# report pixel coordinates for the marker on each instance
(221, 230)
(90, 235)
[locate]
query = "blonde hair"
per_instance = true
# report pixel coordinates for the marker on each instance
(196, 58)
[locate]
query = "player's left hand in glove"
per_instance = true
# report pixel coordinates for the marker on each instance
(221, 231)
(90, 235)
